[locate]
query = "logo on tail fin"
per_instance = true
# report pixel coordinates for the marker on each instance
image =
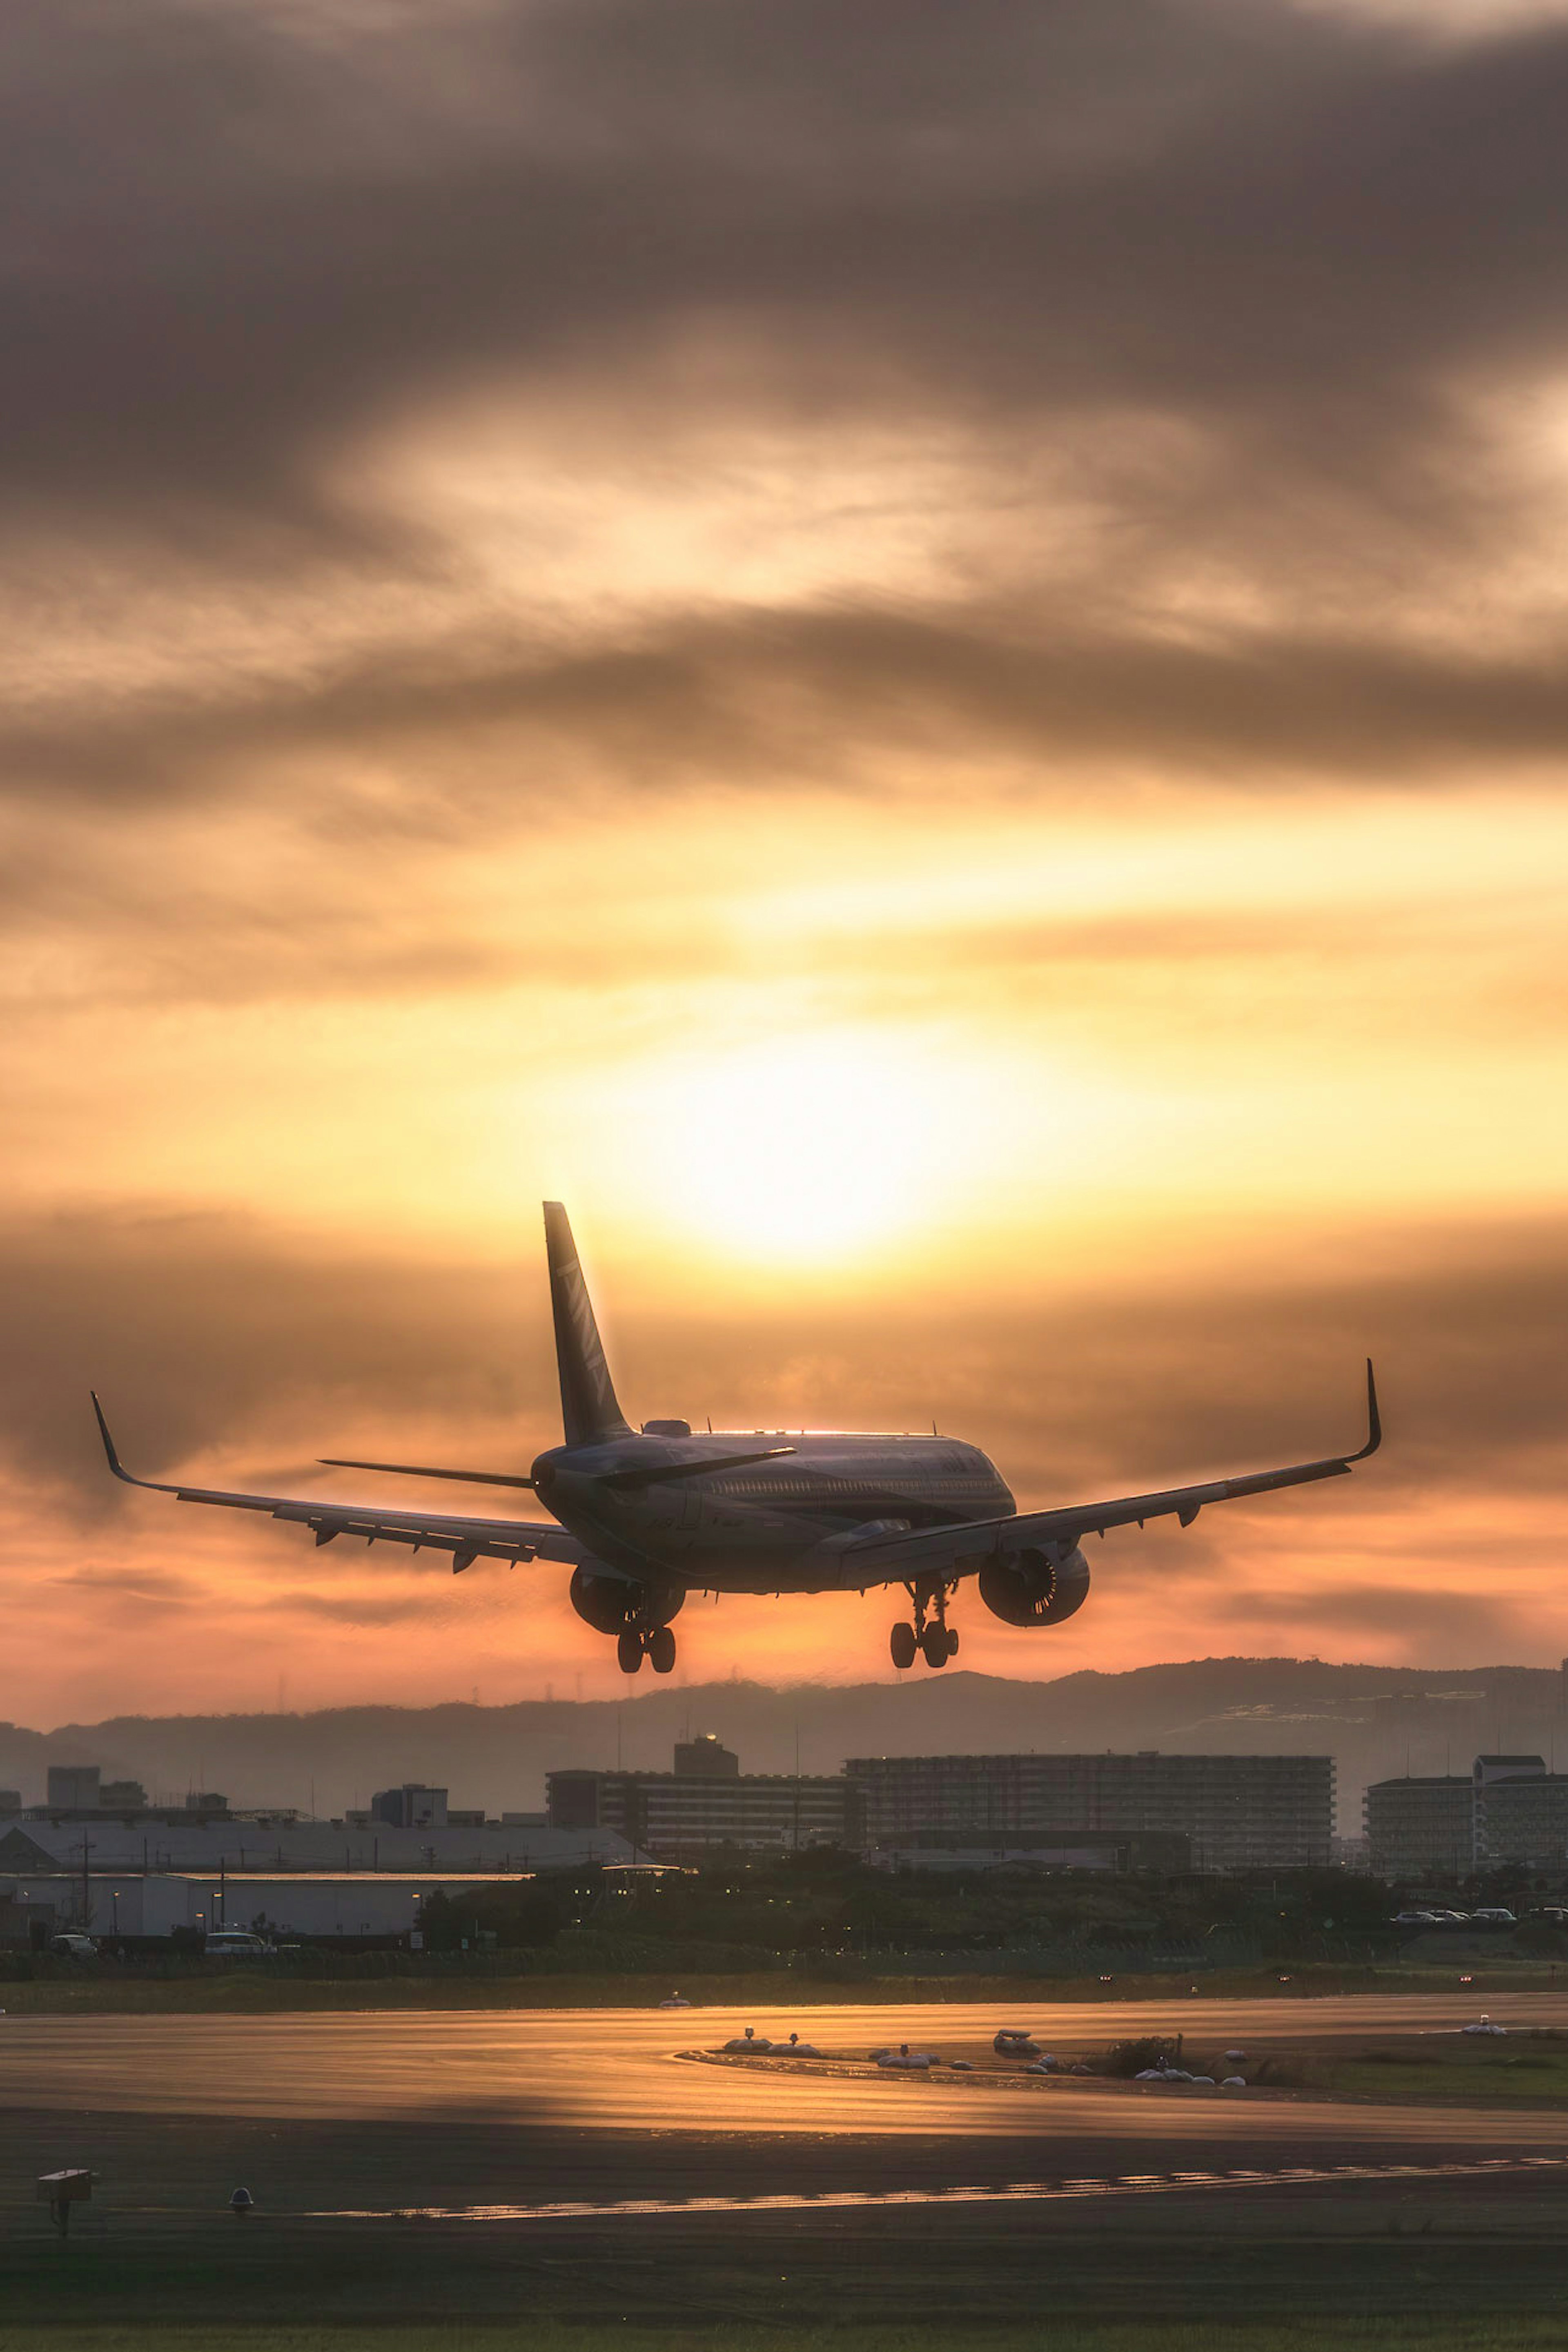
(589, 1409)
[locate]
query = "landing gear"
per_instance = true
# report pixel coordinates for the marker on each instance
(657, 1642)
(930, 1634)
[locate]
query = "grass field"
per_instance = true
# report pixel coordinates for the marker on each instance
(1522, 2332)
(240, 1991)
(1521, 2070)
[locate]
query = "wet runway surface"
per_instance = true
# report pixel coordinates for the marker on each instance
(611, 2087)
(443, 2159)
(621, 2070)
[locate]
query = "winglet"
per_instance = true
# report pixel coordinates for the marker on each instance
(1374, 1420)
(114, 1461)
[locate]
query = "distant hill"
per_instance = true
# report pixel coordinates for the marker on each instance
(1374, 1720)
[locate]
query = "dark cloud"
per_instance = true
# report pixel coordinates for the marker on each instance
(1266, 251)
(236, 240)
(156, 1586)
(763, 696)
(194, 1328)
(211, 1332)
(1464, 1624)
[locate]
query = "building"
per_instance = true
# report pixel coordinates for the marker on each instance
(1488, 1768)
(123, 1797)
(72, 1787)
(106, 1903)
(1421, 1828)
(10, 1802)
(180, 1844)
(707, 1758)
(411, 1807)
(1239, 1812)
(1162, 1850)
(680, 1815)
(1524, 1820)
(1506, 1809)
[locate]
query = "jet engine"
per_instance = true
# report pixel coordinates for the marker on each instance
(609, 1603)
(1040, 1585)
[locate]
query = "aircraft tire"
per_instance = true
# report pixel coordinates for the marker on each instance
(933, 1642)
(662, 1650)
(952, 1641)
(629, 1651)
(903, 1645)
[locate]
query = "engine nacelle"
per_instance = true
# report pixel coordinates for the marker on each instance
(1040, 1585)
(609, 1603)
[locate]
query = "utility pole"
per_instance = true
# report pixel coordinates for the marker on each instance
(86, 1887)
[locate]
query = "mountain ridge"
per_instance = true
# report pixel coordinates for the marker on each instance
(1374, 1720)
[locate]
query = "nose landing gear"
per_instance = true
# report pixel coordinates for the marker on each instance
(930, 1634)
(657, 1642)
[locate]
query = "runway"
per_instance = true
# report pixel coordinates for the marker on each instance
(575, 2160)
(619, 2073)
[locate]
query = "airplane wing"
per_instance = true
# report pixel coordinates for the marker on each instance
(957, 1550)
(466, 1539)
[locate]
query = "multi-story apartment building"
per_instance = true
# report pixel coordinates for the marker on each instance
(1237, 1812)
(706, 1801)
(1421, 1828)
(1506, 1809)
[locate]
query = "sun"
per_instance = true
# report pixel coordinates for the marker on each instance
(806, 1148)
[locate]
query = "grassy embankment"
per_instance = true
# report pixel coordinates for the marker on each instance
(1526, 2331)
(106, 1989)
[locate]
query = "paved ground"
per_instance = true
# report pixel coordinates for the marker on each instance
(612, 2170)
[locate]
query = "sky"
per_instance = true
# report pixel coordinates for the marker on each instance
(914, 655)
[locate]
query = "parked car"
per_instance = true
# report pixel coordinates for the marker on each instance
(238, 1944)
(70, 1946)
(1414, 1919)
(1495, 1916)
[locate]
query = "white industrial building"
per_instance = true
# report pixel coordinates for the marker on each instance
(493, 1849)
(110, 1903)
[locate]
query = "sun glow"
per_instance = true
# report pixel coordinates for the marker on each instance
(813, 1147)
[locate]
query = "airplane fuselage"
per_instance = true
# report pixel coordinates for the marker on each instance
(786, 1525)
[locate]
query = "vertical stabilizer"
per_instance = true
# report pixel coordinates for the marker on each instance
(588, 1408)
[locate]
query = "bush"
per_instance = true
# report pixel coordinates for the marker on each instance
(1127, 2059)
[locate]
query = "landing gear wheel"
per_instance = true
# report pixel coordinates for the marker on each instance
(662, 1650)
(933, 1642)
(902, 1644)
(628, 1651)
(952, 1641)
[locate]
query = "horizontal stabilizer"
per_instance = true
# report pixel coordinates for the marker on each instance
(663, 1471)
(423, 1470)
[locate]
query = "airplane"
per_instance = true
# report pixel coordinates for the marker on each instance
(644, 1516)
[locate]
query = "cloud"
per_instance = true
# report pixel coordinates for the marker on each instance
(548, 538)
(1200, 306)
(215, 1338)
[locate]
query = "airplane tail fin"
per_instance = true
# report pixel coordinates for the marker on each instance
(589, 1409)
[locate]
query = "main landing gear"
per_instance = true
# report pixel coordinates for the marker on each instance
(656, 1643)
(930, 1634)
